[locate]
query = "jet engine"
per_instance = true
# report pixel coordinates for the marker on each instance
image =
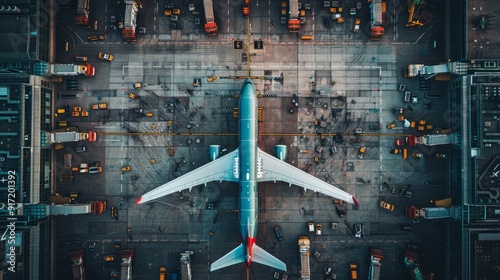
(281, 152)
(214, 152)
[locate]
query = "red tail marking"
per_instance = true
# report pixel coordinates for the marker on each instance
(139, 201)
(355, 200)
(250, 242)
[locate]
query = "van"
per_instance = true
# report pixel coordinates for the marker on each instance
(81, 58)
(310, 226)
(62, 123)
(279, 234)
(61, 111)
(163, 272)
(306, 37)
(405, 153)
(81, 149)
(407, 96)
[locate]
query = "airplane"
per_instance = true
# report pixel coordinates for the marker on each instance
(247, 165)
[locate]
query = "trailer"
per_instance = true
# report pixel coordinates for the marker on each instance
(68, 136)
(210, 25)
(72, 70)
(376, 257)
(126, 264)
(293, 16)
(130, 23)
(82, 12)
(377, 19)
(77, 266)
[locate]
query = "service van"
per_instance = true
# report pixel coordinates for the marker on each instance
(310, 226)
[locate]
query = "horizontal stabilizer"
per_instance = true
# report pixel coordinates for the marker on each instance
(237, 255)
(263, 257)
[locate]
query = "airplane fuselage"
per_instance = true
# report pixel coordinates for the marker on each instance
(248, 166)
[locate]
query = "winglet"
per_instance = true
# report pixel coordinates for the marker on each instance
(139, 201)
(355, 200)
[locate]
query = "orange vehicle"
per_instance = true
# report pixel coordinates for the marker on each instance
(246, 8)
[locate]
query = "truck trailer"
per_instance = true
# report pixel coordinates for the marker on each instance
(82, 12)
(293, 16)
(377, 19)
(69, 136)
(72, 70)
(210, 25)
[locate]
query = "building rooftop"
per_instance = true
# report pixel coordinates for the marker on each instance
(483, 36)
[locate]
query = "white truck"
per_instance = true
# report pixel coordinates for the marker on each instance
(69, 136)
(72, 70)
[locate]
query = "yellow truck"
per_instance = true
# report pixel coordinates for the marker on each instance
(100, 106)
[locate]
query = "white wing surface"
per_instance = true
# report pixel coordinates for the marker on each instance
(277, 170)
(220, 169)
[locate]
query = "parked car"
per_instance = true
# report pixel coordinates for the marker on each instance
(386, 206)
(395, 151)
(439, 155)
(417, 155)
(106, 56)
(391, 125)
(114, 212)
(359, 230)
(402, 87)
(399, 142)
(278, 232)
(374, 127)
(319, 229)
(95, 37)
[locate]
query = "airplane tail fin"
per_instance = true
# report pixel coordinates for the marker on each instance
(261, 256)
(237, 255)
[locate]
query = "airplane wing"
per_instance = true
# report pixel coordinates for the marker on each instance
(277, 170)
(237, 255)
(263, 257)
(220, 169)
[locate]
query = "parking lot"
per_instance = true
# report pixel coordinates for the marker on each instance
(164, 129)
